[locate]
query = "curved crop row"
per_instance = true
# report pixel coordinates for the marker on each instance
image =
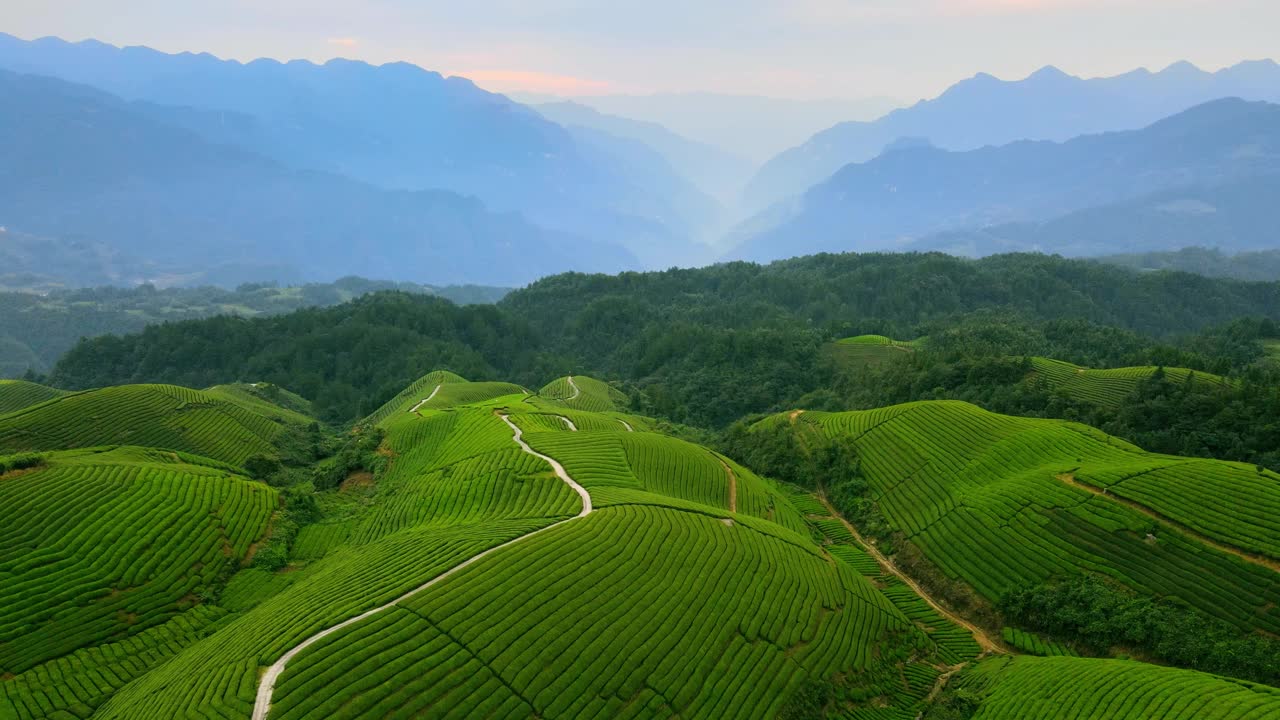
(18, 394)
(163, 416)
(998, 502)
(597, 618)
(1063, 688)
(93, 548)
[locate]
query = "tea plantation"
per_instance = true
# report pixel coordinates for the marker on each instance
(475, 549)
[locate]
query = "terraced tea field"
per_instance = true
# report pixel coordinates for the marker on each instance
(516, 556)
(19, 394)
(521, 555)
(864, 350)
(1108, 388)
(1001, 502)
(99, 547)
(213, 424)
(1066, 688)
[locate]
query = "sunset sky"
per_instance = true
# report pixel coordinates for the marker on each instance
(906, 49)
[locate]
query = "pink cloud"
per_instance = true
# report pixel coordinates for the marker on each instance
(346, 42)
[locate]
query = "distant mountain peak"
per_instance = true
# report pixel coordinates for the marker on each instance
(1049, 72)
(1182, 67)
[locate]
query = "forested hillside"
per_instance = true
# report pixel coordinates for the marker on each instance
(36, 329)
(705, 346)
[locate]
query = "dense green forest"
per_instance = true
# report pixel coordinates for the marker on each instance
(701, 346)
(36, 329)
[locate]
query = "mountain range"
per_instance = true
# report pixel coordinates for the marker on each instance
(1208, 169)
(984, 110)
(395, 127)
(80, 163)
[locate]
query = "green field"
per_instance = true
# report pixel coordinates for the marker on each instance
(19, 394)
(1001, 502)
(1108, 388)
(221, 424)
(113, 549)
(1066, 688)
(586, 616)
(871, 350)
(516, 554)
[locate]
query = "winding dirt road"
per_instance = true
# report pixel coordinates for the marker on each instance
(568, 423)
(267, 683)
(984, 641)
(576, 391)
(1245, 555)
(425, 400)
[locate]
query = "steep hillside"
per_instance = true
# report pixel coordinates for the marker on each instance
(215, 425)
(983, 110)
(887, 202)
(997, 503)
(136, 182)
(114, 550)
(508, 562)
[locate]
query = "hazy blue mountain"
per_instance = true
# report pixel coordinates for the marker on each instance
(714, 171)
(750, 126)
(396, 126)
(76, 162)
(983, 110)
(892, 201)
(1235, 217)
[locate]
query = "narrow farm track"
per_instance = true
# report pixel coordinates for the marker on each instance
(627, 425)
(576, 391)
(733, 484)
(267, 683)
(984, 641)
(426, 400)
(568, 423)
(1253, 558)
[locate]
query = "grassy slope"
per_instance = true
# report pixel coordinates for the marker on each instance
(870, 349)
(999, 502)
(18, 394)
(117, 548)
(219, 424)
(595, 615)
(1107, 388)
(1066, 688)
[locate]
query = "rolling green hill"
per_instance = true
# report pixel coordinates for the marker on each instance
(1064, 688)
(19, 394)
(1108, 388)
(491, 581)
(863, 350)
(222, 424)
(999, 502)
(115, 550)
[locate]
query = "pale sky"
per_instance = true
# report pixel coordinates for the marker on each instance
(906, 49)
